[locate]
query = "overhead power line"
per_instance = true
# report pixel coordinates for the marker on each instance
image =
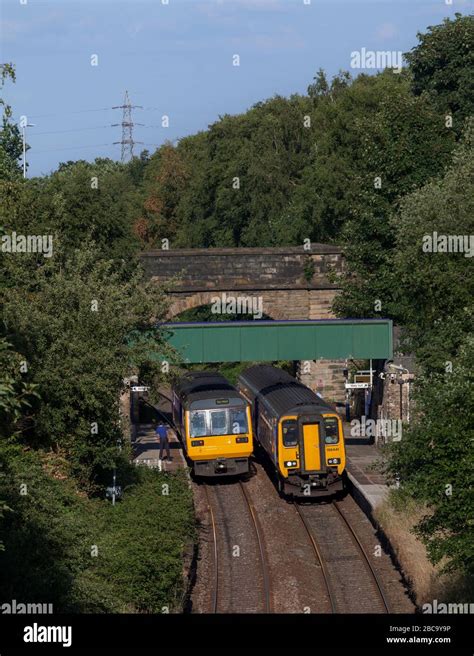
(97, 127)
(76, 111)
(49, 150)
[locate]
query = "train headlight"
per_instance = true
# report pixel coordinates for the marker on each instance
(334, 461)
(290, 463)
(197, 442)
(241, 440)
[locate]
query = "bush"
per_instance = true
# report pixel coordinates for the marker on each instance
(50, 532)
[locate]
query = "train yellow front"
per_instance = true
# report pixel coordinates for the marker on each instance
(301, 434)
(214, 423)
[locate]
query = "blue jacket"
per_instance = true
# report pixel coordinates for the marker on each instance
(161, 432)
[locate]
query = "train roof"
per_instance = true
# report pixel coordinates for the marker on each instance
(281, 392)
(200, 385)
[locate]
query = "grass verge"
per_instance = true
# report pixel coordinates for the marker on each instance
(398, 517)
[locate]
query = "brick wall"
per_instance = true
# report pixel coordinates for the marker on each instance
(324, 376)
(396, 399)
(254, 269)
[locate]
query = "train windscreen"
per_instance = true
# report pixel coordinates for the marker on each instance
(205, 423)
(289, 429)
(331, 427)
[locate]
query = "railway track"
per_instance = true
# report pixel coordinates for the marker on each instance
(351, 581)
(239, 584)
(319, 559)
(368, 565)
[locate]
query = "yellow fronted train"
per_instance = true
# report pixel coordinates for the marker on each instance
(300, 433)
(214, 424)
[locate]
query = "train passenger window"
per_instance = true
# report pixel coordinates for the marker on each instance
(238, 421)
(289, 429)
(331, 427)
(219, 422)
(198, 423)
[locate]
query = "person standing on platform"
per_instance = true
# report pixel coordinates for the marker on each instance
(162, 433)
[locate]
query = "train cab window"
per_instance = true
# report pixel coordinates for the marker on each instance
(238, 422)
(218, 422)
(289, 430)
(198, 423)
(331, 428)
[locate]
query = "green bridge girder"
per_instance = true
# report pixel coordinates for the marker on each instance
(249, 341)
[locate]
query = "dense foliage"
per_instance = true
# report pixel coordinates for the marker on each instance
(71, 322)
(434, 295)
(83, 554)
(76, 320)
(434, 291)
(436, 464)
(441, 66)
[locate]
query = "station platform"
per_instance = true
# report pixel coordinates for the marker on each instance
(364, 470)
(146, 445)
(146, 449)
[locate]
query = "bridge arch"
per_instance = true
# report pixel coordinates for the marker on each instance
(280, 304)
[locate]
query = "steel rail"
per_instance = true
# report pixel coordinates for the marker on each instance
(324, 571)
(215, 592)
(366, 560)
(263, 560)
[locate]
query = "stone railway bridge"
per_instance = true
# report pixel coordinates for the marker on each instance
(292, 282)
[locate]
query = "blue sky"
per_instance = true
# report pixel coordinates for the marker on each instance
(176, 59)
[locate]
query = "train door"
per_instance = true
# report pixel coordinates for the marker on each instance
(311, 445)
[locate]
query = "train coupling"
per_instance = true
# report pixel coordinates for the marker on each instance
(220, 467)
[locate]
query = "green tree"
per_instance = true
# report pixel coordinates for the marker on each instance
(15, 393)
(10, 139)
(165, 178)
(434, 291)
(97, 201)
(392, 164)
(71, 318)
(442, 65)
(434, 461)
(247, 168)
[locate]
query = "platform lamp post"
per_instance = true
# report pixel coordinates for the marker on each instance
(115, 492)
(27, 125)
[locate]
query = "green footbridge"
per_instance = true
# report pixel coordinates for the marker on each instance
(249, 341)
